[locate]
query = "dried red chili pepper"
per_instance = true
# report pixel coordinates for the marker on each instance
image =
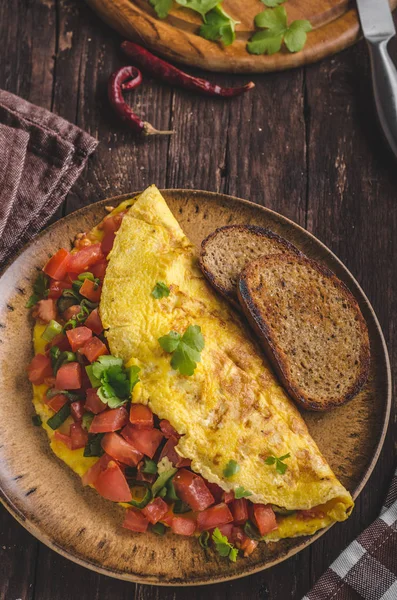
(129, 78)
(162, 70)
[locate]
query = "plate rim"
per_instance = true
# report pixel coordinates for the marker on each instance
(307, 540)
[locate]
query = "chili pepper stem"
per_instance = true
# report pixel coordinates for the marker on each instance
(148, 129)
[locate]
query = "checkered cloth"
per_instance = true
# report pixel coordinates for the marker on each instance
(367, 569)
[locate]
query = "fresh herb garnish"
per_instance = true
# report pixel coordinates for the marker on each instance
(277, 30)
(272, 3)
(36, 420)
(200, 6)
(281, 467)
(204, 538)
(149, 466)
(40, 290)
(240, 492)
(53, 328)
(223, 546)
(94, 447)
(218, 25)
(56, 420)
(231, 469)
(113, 381)
(185, 349)
(160, 290)
(162, 7)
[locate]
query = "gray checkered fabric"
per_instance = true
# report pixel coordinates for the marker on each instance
(367, 569)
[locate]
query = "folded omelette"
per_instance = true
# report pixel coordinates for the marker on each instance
(232, 408)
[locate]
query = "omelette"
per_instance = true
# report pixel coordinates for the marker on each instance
(233, 425)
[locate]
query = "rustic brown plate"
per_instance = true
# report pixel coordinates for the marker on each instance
(335, 27)
(49, 500)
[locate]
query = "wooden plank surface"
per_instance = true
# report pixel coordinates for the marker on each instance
(304, 143)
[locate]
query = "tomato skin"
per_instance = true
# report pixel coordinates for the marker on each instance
(61, 341)
(145, 440)
(168, 430)
(155, 510)
(109, 420)
(39, 368)
(243, 542)
(183, 526)
(214, 516)
(135, 520)
(57, 287)
(93, 322)
(78, 435)
(90, 290)
(57, 266)
(112, 484)
(227, 530)
(118, 448)
(167, 518)
(141, 416)
(93, 349)
(78, 337)
(227, 497)
(93, 402)
(107, 242)
(71, 312)
(82, 260)
(77, 410)
(69, 377)
(99, 269)
(56, 402)
(172, 455)
(90, 476)
(45, 310)
(264, 518)
(216, 491)
(191, 488)
(65, 439)
(239, 508)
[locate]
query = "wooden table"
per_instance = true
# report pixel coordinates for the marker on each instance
(304, 143)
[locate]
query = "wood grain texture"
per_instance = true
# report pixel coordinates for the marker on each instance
(305, 143)
(335, 26)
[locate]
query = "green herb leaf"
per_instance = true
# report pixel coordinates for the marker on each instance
(162, 7)
(200, 6)
(272, 3)
(218, 25)
(265, 42)
(277, 30)
(186, 349)
(149, 466)
(281, 467)
(112, 380)
(40, 289)
(240, 492)
(296, 36)
(94, 447)
(275, 20)
(158, 528)
(133, 376)
(36, 420)
(231, 469)
(160, 290)
(223, 546)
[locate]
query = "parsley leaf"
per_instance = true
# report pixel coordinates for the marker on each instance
(185, 349)
(240, 492)
(160, 290)
(281, 467)
(200, 6)
(223, 546)
(272, 3)
(40, 290)
(277, 30)
(218, 25)
(161, 7)
(113, 381)
(231, 469)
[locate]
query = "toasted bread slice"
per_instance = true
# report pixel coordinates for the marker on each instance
(310, 326)
(225, 253)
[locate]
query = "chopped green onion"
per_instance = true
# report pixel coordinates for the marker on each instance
(171, 493)
(231, 469)
(94, 447)
(150, 466)
(158, 528)
(95, 382)
(86, 275)
(203, 539)
(162, 480)
(60, 417)
(53, 328)
(181, 507)
(87, 420)
(162, 493)
(36, 420)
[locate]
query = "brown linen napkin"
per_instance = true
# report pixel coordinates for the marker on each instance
(41, 156)
(367, 569)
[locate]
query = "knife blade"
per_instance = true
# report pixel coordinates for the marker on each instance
(376, 19)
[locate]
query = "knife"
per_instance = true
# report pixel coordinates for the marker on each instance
(378, 27)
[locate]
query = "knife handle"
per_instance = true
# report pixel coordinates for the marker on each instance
(384, 79)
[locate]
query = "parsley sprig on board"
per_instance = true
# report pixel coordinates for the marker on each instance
(277, 30)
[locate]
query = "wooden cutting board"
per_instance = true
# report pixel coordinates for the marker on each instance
(335, 26)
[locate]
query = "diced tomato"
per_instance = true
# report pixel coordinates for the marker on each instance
(168, 430)
(227, 530)
(141, 416)
(264, 518)
(45, 310)
(90, 290)
(135, 520)
(49, 381)
(61, 341)
(112, 222)
(83, 259)
(227, 497)
(112, 484)
(93, 349)
(57, 287)
(56, 402)
(93, 402)
(248, 545)
(141, 476)
(99, 269)
(145, 440)
(39, 368)
(93, 322)
(214, 516)
(239, 508)
(118, 448)
(78, 337)
(172, 455)
(107, 242)
(215, 490)
(167, 518)
(58, 265)
(191, 489)
(77, 410)
(110, 420)
(65, 439)
(90, 476)
(71, 312)
(78, 435)
(155, 510)
(183, 526)
(69, 377)
(72, 277)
